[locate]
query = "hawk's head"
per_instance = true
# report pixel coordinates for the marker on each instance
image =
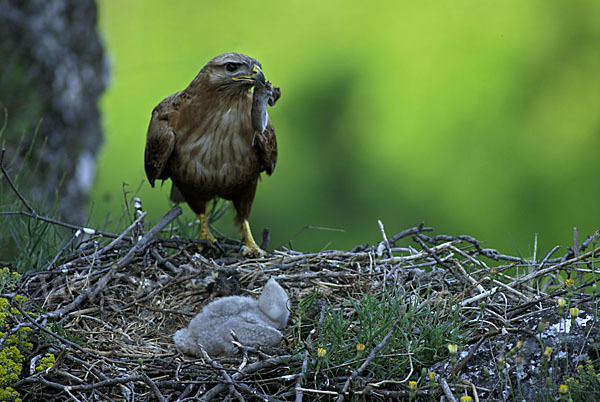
(232, 72)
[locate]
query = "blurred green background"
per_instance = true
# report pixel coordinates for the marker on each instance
(477, 117)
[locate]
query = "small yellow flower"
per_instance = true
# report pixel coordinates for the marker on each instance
(321, 352)
(500, 362)
(465, 398)
(360, 347)
(569, 283)
(574, 312)
(452, 349)
(412, 386)
(563, 389)
(561, 302)
(431, 375)
(548, 352)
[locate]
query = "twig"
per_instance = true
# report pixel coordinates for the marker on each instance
(472, 280)
(447, 390)
(368, 360)
(430, 252)
(13, 331)
(300, 378)
(82, 387)
(240, 346)
(547, 257)
(408, 232)
(12, 185)
(121, 236)
(62, 250)
(576, 252)
(266, 238)
(223, 372)
(188, 390)
(251, 368)
(153, 387)
(163, 261)
(552, 268)
(385, 240)
(31, 213)
(55, 335)
(79, 300)
(480, 296)
(472, 351)
(150, 236)
(138, 214)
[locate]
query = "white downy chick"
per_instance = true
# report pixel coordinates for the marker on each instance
(255, 322)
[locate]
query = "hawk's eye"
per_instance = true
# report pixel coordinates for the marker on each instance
(231, 67)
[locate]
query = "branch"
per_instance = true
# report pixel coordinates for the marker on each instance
(150, 236)
(411, 231)
(31, 213)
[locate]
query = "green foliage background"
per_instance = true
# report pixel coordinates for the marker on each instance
(478, 117)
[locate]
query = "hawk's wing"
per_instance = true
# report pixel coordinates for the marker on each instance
(160, 139)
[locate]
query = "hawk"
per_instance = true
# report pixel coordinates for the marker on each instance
(203, 138)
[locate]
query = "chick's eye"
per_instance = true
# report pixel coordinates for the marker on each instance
(231, 67)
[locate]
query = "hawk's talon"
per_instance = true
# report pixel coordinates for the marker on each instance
(205, 230)
(208, 237)
(250, 248)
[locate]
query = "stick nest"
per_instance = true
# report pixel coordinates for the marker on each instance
(108, 313)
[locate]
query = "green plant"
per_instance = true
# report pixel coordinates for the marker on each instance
(420, 337)
(46, 362)
(14, 338)
(584, 384)
(29, 243)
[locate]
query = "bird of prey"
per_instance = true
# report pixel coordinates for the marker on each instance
(203, 139)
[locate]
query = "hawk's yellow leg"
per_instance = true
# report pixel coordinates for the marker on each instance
(250, 247)
(204, 230)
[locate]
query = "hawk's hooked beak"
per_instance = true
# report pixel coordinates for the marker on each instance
(256, 74)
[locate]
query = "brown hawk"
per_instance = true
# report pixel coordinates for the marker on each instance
(204, 140)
